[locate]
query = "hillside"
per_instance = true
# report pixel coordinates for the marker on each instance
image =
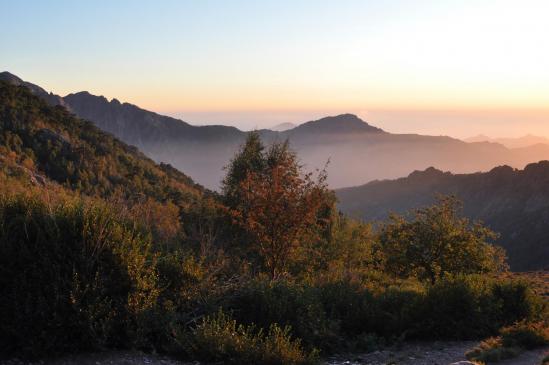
(81, 157)
(513, 202)
(356, 150)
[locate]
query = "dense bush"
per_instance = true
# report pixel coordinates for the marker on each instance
(298, 306)
(220, 339)
(333, 315)
(469, 307)
(436, 241)
(73, 278)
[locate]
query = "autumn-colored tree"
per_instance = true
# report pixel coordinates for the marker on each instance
(280, 208)
(436, 241)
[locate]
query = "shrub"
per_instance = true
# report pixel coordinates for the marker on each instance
(336, 316)
(220, 339)
(347, 305)
(454, 309)
(517, 301)
(512, 341)
(471, 307)
(525, 335)
(397, 312)
(436, 241)
(73, 278)
(287, 304)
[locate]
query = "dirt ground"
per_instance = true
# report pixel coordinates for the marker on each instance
(105, 358)
(428, 353)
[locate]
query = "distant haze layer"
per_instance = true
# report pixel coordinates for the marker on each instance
(457, 123)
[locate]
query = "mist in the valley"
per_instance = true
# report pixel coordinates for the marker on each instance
(353, 159)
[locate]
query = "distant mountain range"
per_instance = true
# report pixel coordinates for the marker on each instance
(524, 141)
(283, 127)
(357, 151)
(512, 202)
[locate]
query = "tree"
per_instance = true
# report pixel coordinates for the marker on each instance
(351, 253)
(279, 208)
(250, 158)
(436, 242)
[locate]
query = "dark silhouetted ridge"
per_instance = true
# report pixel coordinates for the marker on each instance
(344, 123)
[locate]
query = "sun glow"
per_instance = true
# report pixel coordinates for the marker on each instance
(287, 56)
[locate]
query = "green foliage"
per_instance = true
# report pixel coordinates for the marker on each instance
(474, 307)
(437, 242)
(220, 339)
(249, 159)
(339, 315)
(345, 253)
(297, 306)
(74, 277)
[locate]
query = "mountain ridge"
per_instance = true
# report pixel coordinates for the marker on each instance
(81, 157)
(342, 123)
(357, 151)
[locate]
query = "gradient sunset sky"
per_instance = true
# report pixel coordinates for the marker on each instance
(435, 67)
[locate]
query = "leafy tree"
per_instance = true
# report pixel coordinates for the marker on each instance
(280, 209)
(436, 241)
(351, 252)
(250, 158)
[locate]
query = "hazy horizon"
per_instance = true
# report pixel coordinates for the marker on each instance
(493, 124)
(502, 123)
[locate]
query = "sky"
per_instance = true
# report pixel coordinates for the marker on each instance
(455, 68)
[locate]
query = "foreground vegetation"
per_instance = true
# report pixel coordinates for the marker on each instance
(109, 254)
(511, 342)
